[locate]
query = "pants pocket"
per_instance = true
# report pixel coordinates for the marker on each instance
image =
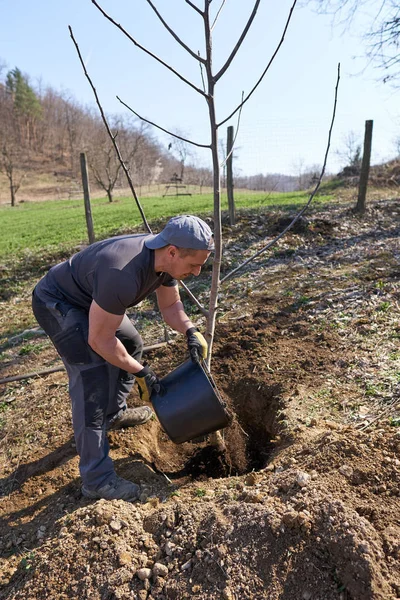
(71, 344)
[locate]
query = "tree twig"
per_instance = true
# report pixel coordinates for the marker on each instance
(175, 36)
(196, 8)
(112, 137)
(203, 310)
(217, 15)
(309, 200)
(166, 65)
(266, 68)
(162, 128)
(239, 42)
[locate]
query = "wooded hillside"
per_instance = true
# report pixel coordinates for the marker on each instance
(43, 132)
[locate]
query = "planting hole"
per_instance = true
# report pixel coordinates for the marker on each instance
(247, 440)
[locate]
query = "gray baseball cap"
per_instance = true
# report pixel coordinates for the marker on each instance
(185, 231)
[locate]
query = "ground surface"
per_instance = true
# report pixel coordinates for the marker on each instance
(303, 505)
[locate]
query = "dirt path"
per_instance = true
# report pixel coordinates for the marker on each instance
(305, 502)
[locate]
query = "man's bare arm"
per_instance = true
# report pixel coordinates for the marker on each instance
(102, 339)
(171, 308)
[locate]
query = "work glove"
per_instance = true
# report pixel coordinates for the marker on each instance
(197, 344)
(148, 382)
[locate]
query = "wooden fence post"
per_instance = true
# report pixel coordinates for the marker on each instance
(229, 175)
(366, 161)
(86, 198)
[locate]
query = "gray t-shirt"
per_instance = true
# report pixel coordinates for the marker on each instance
(117, 273)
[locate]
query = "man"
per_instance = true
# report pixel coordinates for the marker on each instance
(81, 305)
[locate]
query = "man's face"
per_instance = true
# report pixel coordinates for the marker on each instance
(181, 267)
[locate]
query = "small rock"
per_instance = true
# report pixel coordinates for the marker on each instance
(302, 478)
(144, 573)
(124, 558)
(346, 470)
(169, 548)
(196, 588)
(332, 425)
(254, 497)
(186, 565)
(227, 594)
(364, 548)
(142, 594)
(251, 479)
(160, 570)
(115, 526)
(289, 518)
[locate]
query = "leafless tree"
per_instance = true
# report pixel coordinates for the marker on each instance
(381, 38)
(182, 151)
(351, 153)
(207, 91)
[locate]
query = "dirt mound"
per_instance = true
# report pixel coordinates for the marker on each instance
(302, 528)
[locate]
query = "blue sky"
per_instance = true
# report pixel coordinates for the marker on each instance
(284, 125)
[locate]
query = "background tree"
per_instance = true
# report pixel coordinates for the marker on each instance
(26, 107)
(382, 37)
(11, 150)
(351, 154)
(181, 150)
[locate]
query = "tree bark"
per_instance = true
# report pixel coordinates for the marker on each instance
(365, 165)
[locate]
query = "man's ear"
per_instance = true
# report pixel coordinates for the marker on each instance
(172, 250)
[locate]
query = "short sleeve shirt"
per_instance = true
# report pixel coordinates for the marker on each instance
(117, 273)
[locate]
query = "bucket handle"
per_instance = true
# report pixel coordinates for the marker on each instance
(206, 371)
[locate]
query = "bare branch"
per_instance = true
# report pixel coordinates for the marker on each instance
(239, 43)
(162, 128)
(167, 66)
(266, 69)
(175, 36)
(234, 139)
(310, 198)
(194, 7)
(217, 15)
(112, 137)
(194, 299)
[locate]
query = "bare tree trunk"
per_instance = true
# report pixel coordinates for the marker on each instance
(212, 309)
(12, 192)
(366, 161)
(109, 195)
(86, 197)
(229, 175)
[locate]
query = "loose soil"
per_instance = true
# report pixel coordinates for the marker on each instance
(304, 502)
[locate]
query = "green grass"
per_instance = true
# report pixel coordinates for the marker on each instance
(58, 224)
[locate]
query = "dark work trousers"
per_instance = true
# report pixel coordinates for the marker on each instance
(98, 390)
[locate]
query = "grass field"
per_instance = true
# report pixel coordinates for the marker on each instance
(51, 225)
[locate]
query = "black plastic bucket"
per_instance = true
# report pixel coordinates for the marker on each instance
(192, 405)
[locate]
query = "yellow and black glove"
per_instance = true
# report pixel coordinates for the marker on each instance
(197, 344)
(148, 382)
